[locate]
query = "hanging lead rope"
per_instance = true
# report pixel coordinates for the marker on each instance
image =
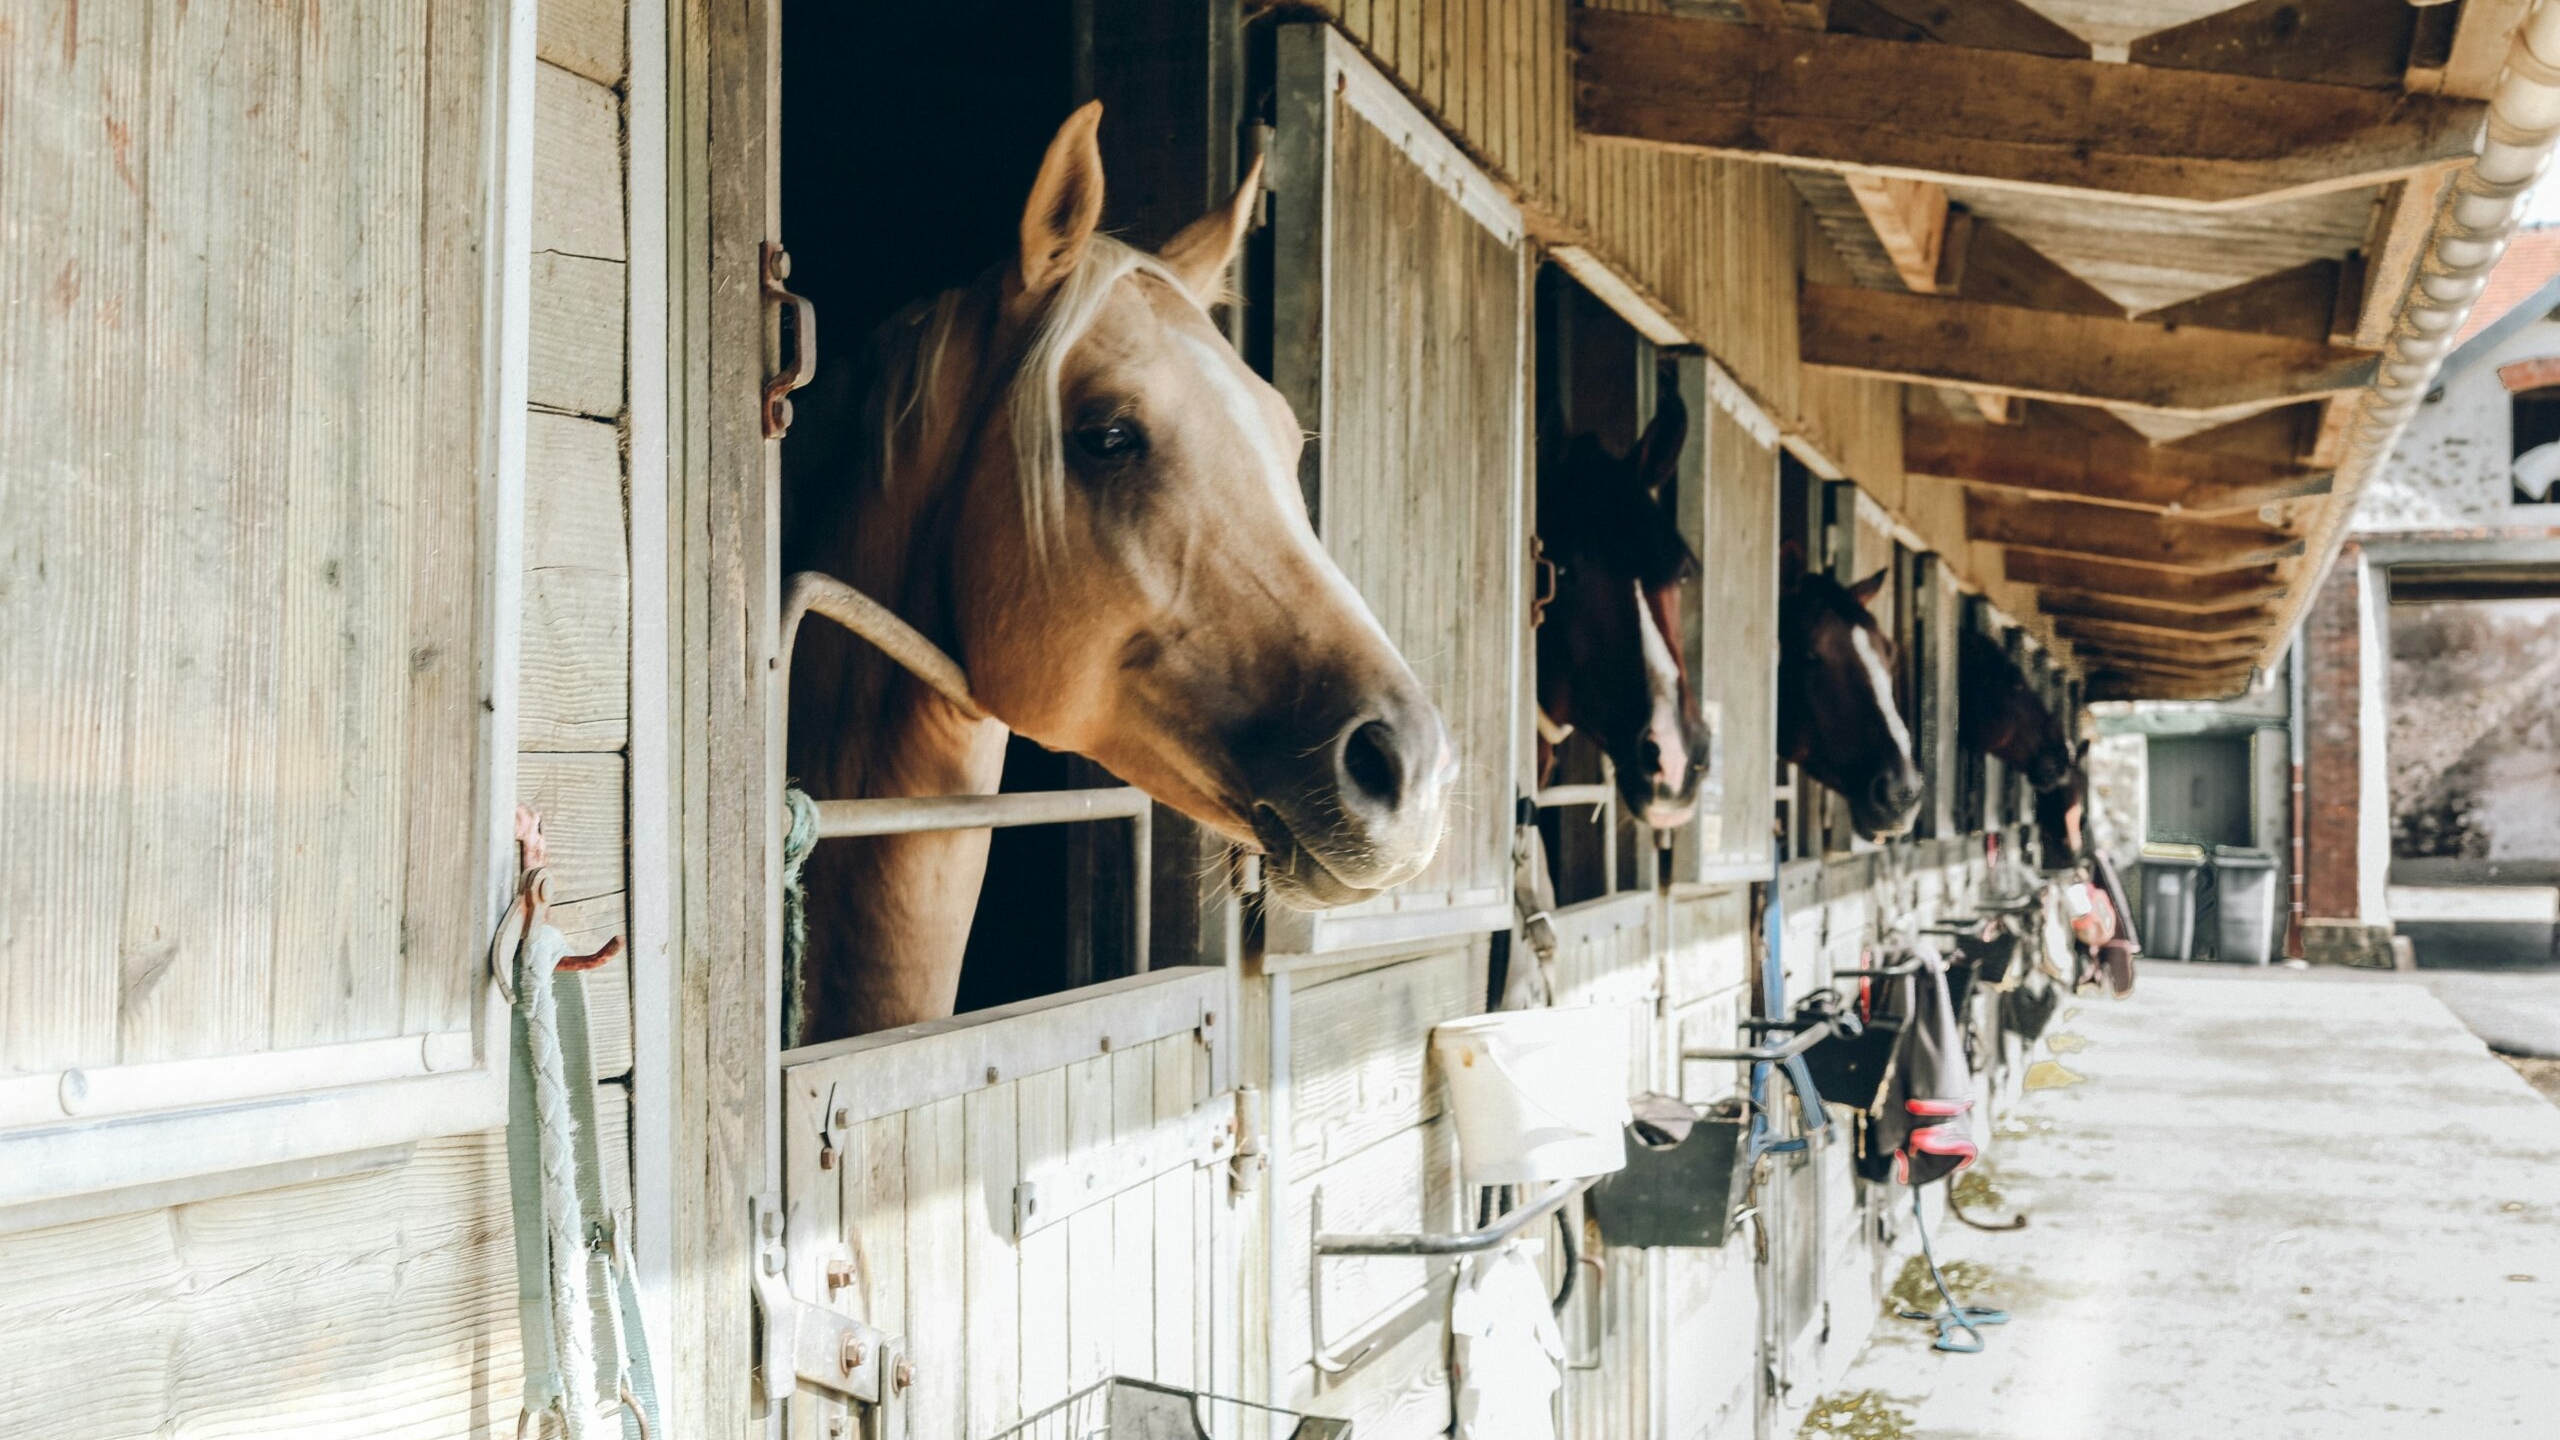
(568, 1239)
(1955, 1318)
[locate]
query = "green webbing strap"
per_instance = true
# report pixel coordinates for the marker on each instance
(621, 1349)
(543, 1386)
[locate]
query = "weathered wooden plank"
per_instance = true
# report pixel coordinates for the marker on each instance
(2177, 137)
(937, 1271)
(576, 661)
(577, 332)
(2153, 617)
(577, 166)
(1982, 24)
(1131, 1288)
(2332, 42)
(72, 391)
(2084, 358)
(343, 582)
(1184, 1294)
(444, 705)
(2128, 537)
(201, 865)
(584, 37)
(581, 800)
(877, 1214)
(2300, 301)
(1360, 1053)
(2069, 463)
(993, 1319)
(223, 1315)
(1910, 221)
(1092, 1264)
(2165, 588)
(1042, 1336)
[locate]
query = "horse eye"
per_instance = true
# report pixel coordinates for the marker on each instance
(1115, 440)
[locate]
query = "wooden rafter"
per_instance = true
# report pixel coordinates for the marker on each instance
(1910, 218)
(2181, 370)
(2301, 301)
(2178, 137)
(2242, 640)
(2044, 457)
(1981, 24)
(2167, 589)
(2337, 42)
(2161, 619)
(2129, 537)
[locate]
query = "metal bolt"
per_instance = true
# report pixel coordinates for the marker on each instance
(905, 1374)
(852, 1357)
(991, 1074)
(839, 1273)
(827, 1157)
(781, 265)
(1208, 1017)
(1106, 1044)
(844, 1117)
(835, 1425)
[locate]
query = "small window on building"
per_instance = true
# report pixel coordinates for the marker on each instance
(2537, 447)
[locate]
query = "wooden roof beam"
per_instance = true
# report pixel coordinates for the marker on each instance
(2186, 138)
(2082, 359)
(2157, 619)
(2166, 589)
(2044, 457)
(2106, 634)
(2130, 537)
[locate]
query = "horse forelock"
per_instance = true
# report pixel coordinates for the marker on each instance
(910, 399)
(1032, 401)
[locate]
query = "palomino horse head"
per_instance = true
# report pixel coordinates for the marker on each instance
(1998, 713)
(1089, 498)
(1609, 659)
(1837, 716)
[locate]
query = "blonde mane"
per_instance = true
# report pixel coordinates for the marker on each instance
(911, 410)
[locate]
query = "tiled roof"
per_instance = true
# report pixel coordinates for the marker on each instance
(2532, 259)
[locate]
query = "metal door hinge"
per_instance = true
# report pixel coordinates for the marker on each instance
(801, 1344)
(1252, 1154)
(1054, 1191)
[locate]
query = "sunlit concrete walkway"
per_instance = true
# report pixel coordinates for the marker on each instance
(2271, 1205)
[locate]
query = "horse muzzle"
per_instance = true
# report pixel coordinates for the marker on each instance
(1358, 813)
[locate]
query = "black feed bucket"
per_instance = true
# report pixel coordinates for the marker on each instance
(1851, 1069)
(1679, 1193)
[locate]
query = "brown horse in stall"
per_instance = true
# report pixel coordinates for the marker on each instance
(1837, 716)
(1609, 661)
(1078, 490)
(1998, 713)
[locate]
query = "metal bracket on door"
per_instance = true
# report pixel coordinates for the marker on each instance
(799, 339)
(809, 1345)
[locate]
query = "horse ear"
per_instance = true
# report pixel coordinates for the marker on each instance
(1866, 591)
(1065, 206)
(1657, 457)
(1206, 249)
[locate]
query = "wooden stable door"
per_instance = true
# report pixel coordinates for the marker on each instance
(1031, 1199)
(1398, 319)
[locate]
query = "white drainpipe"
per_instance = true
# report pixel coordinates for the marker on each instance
(2478, 215)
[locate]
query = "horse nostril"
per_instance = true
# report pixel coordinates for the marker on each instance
(1371, 763)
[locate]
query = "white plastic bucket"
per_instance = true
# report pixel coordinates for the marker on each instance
(1538, 1094)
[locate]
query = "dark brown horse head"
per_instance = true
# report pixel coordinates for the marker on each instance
(2062, 814)
(1998, 713)
(1837, 716)
(1609, 661)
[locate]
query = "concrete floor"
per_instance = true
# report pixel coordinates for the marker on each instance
(2273, 1204)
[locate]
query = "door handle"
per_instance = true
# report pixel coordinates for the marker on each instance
(799, 340)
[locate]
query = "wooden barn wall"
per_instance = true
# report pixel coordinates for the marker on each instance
(381, 1304)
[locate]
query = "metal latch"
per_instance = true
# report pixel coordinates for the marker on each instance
(810, 1345)
(799, 338)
